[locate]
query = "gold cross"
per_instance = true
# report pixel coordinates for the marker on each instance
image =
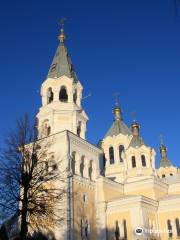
(62, 36)
(161, 139)
(116, 98)
(133, 115)
(62, 21)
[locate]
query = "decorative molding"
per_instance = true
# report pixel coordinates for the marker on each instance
(84, 182)
(82, 142)
(114, 185)
(147, 183)
(131, 202)
(169, 203)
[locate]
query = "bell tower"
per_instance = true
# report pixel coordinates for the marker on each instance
(61, 94)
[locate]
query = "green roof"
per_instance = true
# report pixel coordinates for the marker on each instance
(136, 141)
(165, 162)
(62, 64)
(118, 127)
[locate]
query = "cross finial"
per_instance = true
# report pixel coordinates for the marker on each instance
(161, 139)
(62, 37)
(62, 21)
(116, 98)
(133, 115)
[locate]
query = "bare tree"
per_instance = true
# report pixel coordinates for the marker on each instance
(28, 177)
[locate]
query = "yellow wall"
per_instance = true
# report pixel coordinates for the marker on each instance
(148, 190)
(119, 216)
(163, 217)
(84, 210)
(107, 191)
(144, 192)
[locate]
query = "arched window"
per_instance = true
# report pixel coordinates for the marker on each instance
(171, 174)
(84, 198)
(104, 161)
(111, 155)
(79, 129)
(46, 129)
(169, 226)
(125, 229)
(63, 97)
(82, 229)
(90, 170)
(82, 166)
(117, 231)
(143, 160)
(36, 122)
(121, 150)
(75, 96)
(50, 95)
(177, 227)
(53, 67)
(163, 175)
(73, 162)
(133, 159)
(46, 167)
(54, 166)
(85, 229)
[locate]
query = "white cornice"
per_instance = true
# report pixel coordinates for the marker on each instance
(80, 141)
(147, 182)
(114, 185)
(169, 203)
(130, 202)
(77, 140)
(84, 182)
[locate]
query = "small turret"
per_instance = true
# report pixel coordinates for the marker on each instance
(118, 126)
(135, 128)
(137, 140)
(164, 158)
(117, 113)
(163, 151)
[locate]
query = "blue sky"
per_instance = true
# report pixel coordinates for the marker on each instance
(130, 47)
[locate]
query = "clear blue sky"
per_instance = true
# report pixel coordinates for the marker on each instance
(131, 47)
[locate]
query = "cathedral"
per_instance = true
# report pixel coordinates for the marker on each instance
(120, 194)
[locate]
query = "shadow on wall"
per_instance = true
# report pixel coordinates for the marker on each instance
(102, 234)
(3, 233)
(35, 236)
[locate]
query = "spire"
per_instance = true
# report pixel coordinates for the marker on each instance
(62, 64)
(164, 158)
(62, 36)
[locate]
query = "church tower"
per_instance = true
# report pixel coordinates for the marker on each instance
(62, 118)
(166, 168)
(61, 94)
(127, 157)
